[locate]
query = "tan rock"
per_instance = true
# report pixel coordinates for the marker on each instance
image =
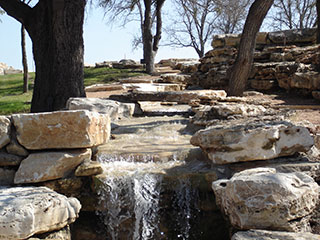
(273, 235)
(175, 78)
(89, 169)
(40, 167)
(261, 198)
(7, 160)
(66, 186)
(33, 210)
(63, 129)
(252, 141)
(16, 149)
(5, 125)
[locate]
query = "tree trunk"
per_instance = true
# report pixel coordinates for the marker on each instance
(318, 21)
(240, 71)
(24, 60)
(148, 38)
(56, 29)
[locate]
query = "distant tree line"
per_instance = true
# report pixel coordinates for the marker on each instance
(56, 30)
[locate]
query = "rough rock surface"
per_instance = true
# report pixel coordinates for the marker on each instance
(113, 108)
(4, 131)
(16, 149)
(63, 129)
(179, 97)
(89, 168)
(63, 234)
(254, 141)
(31, 210)
(40, 167)
(7, 160)
(273, 235)
(261, 198)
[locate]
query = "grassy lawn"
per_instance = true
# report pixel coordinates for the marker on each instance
(12, 100)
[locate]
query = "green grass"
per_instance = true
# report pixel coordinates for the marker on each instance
(107, 75)
(12, 100)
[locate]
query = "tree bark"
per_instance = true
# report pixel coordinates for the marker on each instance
(24, 60)
(56, 29)
(150, 42)
(240, 71)
(318, 20)
(148, 38)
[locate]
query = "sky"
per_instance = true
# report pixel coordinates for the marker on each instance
(102, 42)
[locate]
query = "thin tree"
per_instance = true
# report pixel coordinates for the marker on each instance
(24, 57)
(149, 13)
(318, 21)
(232, 15)
(293, 14)
(192, 24)
(56, 31)
(240, 71)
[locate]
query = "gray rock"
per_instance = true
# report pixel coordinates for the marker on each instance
(113, 108)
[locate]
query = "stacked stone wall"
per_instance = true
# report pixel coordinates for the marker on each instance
(285, 59)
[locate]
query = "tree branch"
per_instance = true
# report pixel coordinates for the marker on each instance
(16, 9)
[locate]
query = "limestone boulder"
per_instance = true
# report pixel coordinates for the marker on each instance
(44, 166)
(112, 108)
(252, 141)
(273, 235)
(25, 211)
(5, 125)
(62, 234)
(262, 198)
(62, 129)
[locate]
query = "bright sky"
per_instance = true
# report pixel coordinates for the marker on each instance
(102, 42)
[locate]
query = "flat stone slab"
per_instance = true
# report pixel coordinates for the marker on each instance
(62, 129)
(181, 97)
(25, 211)
(252, 141)
(164, 109)
(44, 166)
(112, 108)
(104, 87)
(154, 87)
(262, 198)
(269, 235)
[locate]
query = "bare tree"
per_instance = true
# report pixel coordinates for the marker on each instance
(192, 24)
(293, 14)
(240, 71)
(232, 15)
(149, 15)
